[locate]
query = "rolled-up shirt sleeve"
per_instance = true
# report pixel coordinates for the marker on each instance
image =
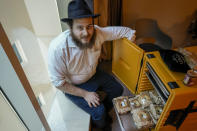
(116, 32)
(57, 68)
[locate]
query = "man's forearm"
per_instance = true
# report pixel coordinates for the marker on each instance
(73, 90)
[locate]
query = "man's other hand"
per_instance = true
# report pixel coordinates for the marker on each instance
(92, 98)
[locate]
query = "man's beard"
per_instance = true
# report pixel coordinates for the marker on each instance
(85, 45)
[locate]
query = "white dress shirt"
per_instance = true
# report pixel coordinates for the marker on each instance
(68, 63)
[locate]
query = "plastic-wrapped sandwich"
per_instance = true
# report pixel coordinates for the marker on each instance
(155, 111)
(155, 97)
(144, 99)
(134, 103)
(122, 104)
(142, 119)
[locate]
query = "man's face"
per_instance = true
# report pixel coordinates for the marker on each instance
(83, 31)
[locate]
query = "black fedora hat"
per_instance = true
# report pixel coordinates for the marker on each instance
(78, 9)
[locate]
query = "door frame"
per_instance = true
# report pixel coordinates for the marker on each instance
(21, 75)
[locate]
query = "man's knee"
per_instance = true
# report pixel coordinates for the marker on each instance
(98, 112)
(118, 89)
(98, 116)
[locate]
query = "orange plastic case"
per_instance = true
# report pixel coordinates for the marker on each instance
(141, 71)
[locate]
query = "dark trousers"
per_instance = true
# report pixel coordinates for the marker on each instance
(103, 82)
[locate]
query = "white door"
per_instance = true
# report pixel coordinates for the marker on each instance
(10, 120)
(15, 92)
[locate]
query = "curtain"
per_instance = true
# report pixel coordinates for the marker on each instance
(110, 11)
(115, 12)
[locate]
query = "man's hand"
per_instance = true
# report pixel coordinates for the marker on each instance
(92, 98)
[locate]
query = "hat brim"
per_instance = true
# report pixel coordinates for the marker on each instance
(83, 16)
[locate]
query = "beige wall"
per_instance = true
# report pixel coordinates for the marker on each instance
(45, 20)
(17, 23)
(173, 16)
(44, 17)
(14, 15)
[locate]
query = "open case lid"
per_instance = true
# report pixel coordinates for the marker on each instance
(126, 63)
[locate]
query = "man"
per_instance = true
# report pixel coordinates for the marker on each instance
(73, 59)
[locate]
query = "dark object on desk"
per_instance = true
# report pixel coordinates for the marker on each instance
(149, 47)
(174, 60)
(148, 28)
